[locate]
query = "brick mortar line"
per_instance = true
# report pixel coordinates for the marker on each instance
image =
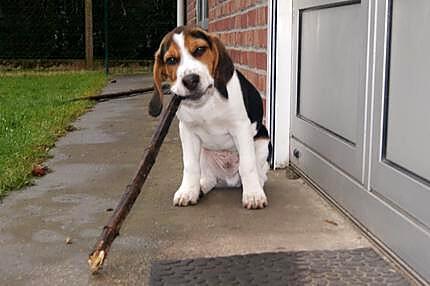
(241, 12)
(251, 7)
(247, 49)
(241, 9)
(250, 48)
(251, 28)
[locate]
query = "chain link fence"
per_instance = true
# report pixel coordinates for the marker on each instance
(53, 30)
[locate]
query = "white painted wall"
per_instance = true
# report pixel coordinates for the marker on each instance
(279, 92)
(180, 12)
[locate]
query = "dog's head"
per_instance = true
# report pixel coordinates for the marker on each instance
(192, 61)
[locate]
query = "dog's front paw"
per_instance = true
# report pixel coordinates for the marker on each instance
(185, 196)
(254, 199)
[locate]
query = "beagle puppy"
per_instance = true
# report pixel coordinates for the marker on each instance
(224, 141)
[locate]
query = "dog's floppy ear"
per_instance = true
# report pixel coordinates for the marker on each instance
(224, 67)
(156, 103)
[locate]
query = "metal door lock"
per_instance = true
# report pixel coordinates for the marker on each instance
(296, 153)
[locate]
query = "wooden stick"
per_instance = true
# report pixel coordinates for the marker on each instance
(111, 230)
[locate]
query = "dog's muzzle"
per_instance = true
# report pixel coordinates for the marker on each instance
(192, 87)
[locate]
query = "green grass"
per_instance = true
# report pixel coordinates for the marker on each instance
(34, 112)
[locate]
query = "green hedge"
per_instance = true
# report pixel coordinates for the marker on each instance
(54, 29)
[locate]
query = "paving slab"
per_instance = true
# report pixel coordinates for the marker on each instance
(91, 167)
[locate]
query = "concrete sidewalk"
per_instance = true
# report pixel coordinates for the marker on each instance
(91, 167)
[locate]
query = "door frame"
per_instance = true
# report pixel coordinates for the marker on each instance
(278, 83)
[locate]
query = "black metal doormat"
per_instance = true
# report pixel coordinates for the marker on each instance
(340, 267)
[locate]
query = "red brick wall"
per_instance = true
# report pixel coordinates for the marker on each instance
(242, 27)
(191, 11)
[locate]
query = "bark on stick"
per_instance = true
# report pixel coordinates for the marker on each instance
(132, 191)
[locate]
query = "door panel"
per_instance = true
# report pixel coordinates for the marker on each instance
(332, 68)
(408, 130)
(329, 84)
(401, 168)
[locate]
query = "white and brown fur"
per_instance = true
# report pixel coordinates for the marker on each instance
(224, 141)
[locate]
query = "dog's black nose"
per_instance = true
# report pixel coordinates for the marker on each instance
(191, 81)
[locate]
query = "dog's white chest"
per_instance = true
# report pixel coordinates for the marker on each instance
(214, 138)
(211, 123)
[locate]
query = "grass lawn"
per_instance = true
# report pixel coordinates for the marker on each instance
(33, 112)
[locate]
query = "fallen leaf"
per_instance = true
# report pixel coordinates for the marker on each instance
(39, 170)
(331, 222)
(71, 128)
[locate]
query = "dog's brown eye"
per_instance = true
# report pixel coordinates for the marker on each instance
(199, 52)
(171, 61)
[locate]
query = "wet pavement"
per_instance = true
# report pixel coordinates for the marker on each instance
(91, 167)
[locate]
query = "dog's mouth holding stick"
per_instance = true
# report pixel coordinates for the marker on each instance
(197, 94)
